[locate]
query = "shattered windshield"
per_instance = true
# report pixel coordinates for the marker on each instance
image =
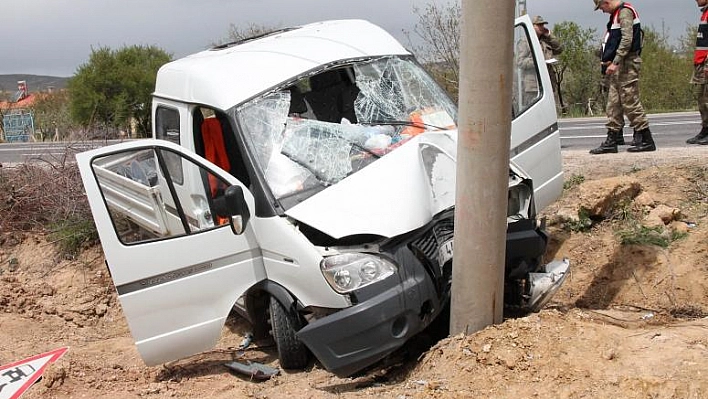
(328, 125)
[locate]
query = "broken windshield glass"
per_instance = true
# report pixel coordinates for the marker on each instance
(264, 118)
(327, 126)
(395, 89)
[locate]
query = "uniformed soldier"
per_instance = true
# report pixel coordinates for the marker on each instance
(621, 63)
(700, 74)
(552, 47)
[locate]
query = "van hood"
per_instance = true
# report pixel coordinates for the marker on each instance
(398, 193)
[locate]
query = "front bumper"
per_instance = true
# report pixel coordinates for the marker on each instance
(351, 339)
(387, 314)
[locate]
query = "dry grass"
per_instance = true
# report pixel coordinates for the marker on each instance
(46, 197)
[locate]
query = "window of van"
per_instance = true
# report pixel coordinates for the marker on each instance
(167, 128)
(527, 89)
(167, 124)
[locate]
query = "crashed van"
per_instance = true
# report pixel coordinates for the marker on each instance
(306, 178)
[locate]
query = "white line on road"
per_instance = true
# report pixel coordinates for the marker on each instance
(590, 125)
(596, 136)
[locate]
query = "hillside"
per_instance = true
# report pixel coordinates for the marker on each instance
(630, 322)
(35, 83)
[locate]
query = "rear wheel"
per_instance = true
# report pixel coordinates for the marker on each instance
(293, 354)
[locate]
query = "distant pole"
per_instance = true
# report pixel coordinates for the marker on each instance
(482, 164)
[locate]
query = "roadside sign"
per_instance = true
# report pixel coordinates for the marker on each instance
(17, 377)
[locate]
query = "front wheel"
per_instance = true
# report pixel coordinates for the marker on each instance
(293, 354)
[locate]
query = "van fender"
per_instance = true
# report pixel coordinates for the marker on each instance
(256, 304)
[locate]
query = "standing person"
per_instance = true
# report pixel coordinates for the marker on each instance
(700, 74)
(621, 63)
(552, 47)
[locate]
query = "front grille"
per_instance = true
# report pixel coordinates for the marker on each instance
(427, 246)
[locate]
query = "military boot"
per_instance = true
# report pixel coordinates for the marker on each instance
(608, 146)
(620, 138)
(636, 139)
(647, 143)
(701, 136)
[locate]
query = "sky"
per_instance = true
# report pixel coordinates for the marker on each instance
(55, 37)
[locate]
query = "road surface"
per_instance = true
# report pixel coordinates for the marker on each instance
(670, 130)
(51, 152)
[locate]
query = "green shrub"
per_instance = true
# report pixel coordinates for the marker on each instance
(572, 181)
(583, 224)
(642, 235)
(71, 236)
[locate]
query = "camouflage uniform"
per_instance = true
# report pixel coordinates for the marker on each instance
(621, 52)
(623, 94)
(529, 80)
(700, 80)
(551, 47)
(700, 91)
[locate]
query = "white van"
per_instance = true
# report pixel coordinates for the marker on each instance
(307, 179)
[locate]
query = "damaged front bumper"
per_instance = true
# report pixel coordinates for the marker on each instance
(354, 338)
(387, 314)
(545, 284)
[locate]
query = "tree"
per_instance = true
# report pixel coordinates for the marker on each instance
(237, 34)
(665, 74)
(51, 114)
(578, 71)
(687, 42)
(113, 89)
(438, 29)
(665, 70)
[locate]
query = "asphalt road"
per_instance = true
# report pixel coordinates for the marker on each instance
(51, 152)
(669, 130)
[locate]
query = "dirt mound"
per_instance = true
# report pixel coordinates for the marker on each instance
(566, 355)
(629, 322)
(38, 284)
(664, 280)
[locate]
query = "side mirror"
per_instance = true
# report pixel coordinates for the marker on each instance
(233, 205)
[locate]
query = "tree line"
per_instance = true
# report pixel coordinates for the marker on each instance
(108, 96)
(665, 76)
(111, 93)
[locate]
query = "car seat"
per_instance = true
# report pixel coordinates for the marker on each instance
(332, 96)
(214, 151)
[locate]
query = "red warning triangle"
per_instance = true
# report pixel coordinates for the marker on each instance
(17, 377)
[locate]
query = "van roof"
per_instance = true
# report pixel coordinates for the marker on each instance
(228, 75)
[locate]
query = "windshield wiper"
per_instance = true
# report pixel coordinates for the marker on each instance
(403, 123)
(313, 172)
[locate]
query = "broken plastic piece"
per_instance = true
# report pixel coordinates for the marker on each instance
(256, 371)
(544, 285)
(246, 342)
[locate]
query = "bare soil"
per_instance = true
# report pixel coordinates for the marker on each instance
(630, 322)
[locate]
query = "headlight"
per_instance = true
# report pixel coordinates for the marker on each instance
(519, 201)
(348, 272)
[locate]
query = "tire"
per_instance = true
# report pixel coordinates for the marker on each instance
(293, 354)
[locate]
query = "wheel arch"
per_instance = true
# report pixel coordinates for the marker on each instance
(256, 304)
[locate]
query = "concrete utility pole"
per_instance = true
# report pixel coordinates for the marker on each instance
(482, 164)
